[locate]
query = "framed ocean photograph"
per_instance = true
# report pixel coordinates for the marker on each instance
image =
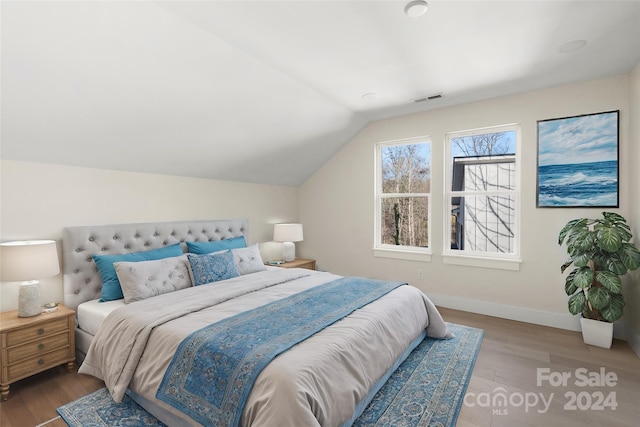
(578, 161)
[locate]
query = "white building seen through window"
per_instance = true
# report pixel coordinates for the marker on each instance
(483, 193)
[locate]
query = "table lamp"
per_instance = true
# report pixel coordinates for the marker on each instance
(27, 261)
(287, 234)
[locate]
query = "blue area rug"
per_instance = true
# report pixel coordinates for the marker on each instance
(426, 390)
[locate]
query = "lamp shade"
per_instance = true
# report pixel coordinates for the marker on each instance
(287, 233)
(28, 260)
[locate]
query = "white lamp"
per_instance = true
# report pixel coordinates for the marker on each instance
(26, 261)
(287, 234)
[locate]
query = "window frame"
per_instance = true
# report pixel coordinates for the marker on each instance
(510, 261)
(413, 253)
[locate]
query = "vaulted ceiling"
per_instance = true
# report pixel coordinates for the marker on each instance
(268, 91)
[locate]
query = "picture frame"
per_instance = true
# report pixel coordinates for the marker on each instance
(578, 161)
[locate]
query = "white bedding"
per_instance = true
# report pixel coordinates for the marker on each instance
(320, 381)
(92, 313)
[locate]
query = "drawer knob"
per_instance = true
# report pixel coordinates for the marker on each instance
(41, 362)
(40, 331)
(40, 346)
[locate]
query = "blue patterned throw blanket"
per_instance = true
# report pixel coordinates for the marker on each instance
(214, 368)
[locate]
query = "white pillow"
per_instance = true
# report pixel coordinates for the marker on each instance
(248, 260)
(145, 279)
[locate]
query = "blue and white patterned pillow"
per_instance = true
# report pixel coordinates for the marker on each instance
(214, 267)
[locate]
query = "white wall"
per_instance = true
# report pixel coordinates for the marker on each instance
(337, 205)
(632, 288)
(38, 200)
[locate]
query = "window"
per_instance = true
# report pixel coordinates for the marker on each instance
(403, 186)
(483, 185)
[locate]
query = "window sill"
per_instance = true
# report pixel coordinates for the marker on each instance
(402, 254)
(485, 262)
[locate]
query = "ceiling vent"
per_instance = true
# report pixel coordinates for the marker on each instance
(428, 98)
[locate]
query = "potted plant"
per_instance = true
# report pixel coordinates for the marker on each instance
(601, 252)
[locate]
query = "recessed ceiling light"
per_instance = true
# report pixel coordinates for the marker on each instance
(415, 8)
(572, 46)
(371, 96)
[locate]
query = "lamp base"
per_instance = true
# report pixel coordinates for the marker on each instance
(29, 299)
(288, 251)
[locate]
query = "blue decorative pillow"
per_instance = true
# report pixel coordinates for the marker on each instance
(111, 289)
(209, 268)
(218, 245)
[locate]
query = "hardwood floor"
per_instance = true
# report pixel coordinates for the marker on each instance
(33, 401)
(507, 365)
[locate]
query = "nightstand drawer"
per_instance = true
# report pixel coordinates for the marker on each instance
(40, 330)
(37, 348)
(37, 364)
(35, 344)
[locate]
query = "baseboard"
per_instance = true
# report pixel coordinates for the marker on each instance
(633, 339)
(521, 314)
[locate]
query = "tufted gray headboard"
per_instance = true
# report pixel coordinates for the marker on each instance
(82, 281)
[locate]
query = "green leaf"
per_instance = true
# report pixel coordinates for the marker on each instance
(619, 223)
(613, 217)
(583, 277)
(615, 309)
(577, 303)
(585, 240)
(566, 265)
(572, 225)
(581, 239)
(609, 239)
(609, 280)
(569, 287)
(601, 259)
(614, 265)
(582, 260)
(625, 231)
(630, 256)
(598, 297)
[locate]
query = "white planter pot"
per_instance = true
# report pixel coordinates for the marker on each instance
(595, 332)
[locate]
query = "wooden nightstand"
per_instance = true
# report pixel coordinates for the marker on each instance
(300, 263)
(34, 344)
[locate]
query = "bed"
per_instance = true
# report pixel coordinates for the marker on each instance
(232, 352)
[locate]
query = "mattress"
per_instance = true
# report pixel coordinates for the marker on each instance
(92, 313)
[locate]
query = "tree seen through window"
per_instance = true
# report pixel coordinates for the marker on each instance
(406, 184)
